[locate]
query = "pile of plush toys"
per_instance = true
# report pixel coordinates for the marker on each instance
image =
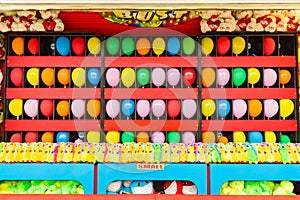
(84, 152)
(46, 20)
(257, 188)
(151, 187)
(41, 187)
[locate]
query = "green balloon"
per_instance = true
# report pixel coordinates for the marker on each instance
(113, 46)
(143, 76)
(127, 136)
(284, 139)
(188, 46)
(128, 46)
(173, 137)
(239, 76)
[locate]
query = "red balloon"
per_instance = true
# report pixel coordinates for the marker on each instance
(16, 76)
(189, 76)
(78, 45)
(16, 137)
(33, 46)
(31, 137)
(223, 45)
(47, 107)
(173, 108)
(269, 46)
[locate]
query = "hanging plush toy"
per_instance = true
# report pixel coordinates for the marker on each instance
(173, 187)
(113, 187)
(142, 187)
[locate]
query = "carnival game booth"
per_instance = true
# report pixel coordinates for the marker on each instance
(150, 103)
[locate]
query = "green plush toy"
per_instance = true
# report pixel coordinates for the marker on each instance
(267, 187)
(253, 188)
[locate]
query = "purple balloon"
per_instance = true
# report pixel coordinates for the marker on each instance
(158, 137)
(158, 77)
(113, 77)
(223, 76)
(78, 108)
(31, 107)
(173, 76)
(270, 107)
(143, 108)
(188, 138)
(158, 108)
(189, 108)
(113, 108)
(239, 108)
(270, 77)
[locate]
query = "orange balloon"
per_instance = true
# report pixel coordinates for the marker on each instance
(143, 46)
(18, 45)
(47, 137)
(255, 108)
(93, 108)
(63, 76)
(223, 140)
(142, 137)
(48, 76)
(284, 76)
(62, 108)
(208, 77)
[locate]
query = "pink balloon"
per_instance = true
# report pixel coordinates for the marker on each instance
(158, 137)
(173, 76)
(239, 108)
(188, 138)
(158, 77)
(223, 76)
(31, 107)
(143, 108)
(271, 108)
(189, 108)
(113, 108)
(158, 108)
(270, 77)
(78, 107)
(113, 77)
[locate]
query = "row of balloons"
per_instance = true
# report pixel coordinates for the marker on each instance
(33, 106)
(65, 45)
(237, 45)
(32, 136)
(33, 76)
(239, 75)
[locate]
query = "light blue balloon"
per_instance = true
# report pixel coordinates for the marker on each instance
(223, 108)
(62, 136)
(63, 45)
(94, 76)
(255, 137)
(173, 45)
(128, 107)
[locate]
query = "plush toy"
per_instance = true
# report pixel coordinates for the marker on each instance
(284, 188)
(189, 187)
(140, 152)
(100, 152)
(293, 152)
(200, 152)
(157, 152)
(158, 187)
(267, 187)
(148, 157)
(173, 187)
(165, 153)
(125, 153)
(174, 150)
(114, 187)
(142, 187)
(191, 153)
(183, 154)
(253, 188)
(251, 153)
(125, 187)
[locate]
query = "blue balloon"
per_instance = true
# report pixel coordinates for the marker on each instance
(62, 136)
(94, 76)
(223, 108)
(128, 107)
(63, 45)
(255, 137)
(173, 45)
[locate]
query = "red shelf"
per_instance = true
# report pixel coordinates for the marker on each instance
(51, 125)
(249, 93)
(249, 125)
(249, 61)
(151, 125)
(53, 93)
(176, 61)
(53, 61)
(151, 93)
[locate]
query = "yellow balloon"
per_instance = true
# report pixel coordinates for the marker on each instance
(208, 107)
(239, 136)
(207, 45)
(208, 137)
(32, 76)
(94, 45)
(128, 77)
(270, 136)
(93, 108)
(238, 45)
(93, 136)
(253, 75)
(286, 107)
(16, 107)
(113, 137)
(78, 77)
(158, 45)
